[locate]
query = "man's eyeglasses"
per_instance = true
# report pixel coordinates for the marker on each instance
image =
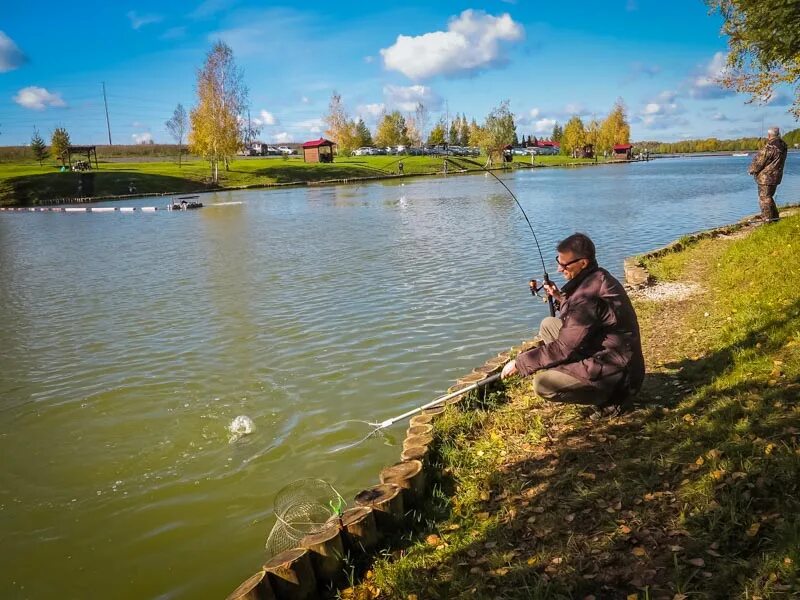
(566, 264)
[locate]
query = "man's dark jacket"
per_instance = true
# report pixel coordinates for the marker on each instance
(767, 165)
(599, 343)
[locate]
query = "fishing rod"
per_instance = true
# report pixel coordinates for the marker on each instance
(440, 400)
(545, 277)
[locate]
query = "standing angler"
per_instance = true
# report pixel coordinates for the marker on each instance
(767, 169)
(592, 354)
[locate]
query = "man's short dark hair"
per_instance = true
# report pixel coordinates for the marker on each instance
(579, 244)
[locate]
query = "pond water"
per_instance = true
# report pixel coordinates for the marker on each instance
(130, 342)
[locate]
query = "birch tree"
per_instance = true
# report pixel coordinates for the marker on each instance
(340, 128)
(216, 132)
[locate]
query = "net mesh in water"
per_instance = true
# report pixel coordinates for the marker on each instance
(301, 508)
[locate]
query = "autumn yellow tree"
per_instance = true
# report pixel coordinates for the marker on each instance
(216, 127)
(498, 130)
(392, 130)
(340, 128)
(574, 137)
(614, 129)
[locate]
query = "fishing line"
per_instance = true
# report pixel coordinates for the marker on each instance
(545, 276)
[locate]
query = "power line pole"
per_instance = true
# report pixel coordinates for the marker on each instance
(108, 124)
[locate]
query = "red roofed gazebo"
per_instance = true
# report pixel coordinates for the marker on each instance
(622, 151)
(320, 150)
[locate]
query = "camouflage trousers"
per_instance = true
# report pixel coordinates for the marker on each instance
(769, 212)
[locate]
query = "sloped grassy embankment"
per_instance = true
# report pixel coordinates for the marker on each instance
(692, 495)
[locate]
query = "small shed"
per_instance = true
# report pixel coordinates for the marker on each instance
(320, 151)
(622, 152)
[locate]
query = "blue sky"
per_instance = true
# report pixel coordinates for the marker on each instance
(551, 60)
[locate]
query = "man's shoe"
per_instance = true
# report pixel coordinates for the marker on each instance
(609, 411)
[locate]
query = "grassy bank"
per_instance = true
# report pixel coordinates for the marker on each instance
(26, 182)
(692, 495)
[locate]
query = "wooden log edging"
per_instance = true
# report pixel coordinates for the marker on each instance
(380, 511)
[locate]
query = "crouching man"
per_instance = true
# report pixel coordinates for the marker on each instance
(592, 353)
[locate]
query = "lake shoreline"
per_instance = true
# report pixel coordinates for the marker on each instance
(205, 189)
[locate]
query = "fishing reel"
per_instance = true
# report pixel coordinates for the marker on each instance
(535, 289)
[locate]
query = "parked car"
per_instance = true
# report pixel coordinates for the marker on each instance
(285, 150)
(270, 151)
(364, 151)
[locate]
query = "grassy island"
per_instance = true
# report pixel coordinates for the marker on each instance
(695, 494)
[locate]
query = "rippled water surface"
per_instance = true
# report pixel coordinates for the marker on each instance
(130, 342)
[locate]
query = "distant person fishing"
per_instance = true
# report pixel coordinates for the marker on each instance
(767, 169)
(592, 353)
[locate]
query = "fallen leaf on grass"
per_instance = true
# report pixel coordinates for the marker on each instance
(752, 531)
(639, 551)
(557, 560)
(587, 475)
(490, 545)
(713, 553)
(633, 596)
(570, 518)
(433, 540)
(624, 529)
(697, 562)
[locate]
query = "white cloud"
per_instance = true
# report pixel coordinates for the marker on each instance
(370, 111)
(544, 126)
(311, 125)
(305, 100)
(534, 112)
(11, 57)
(718, 116)
(37, 98)
(142, 138)
(138, 21)
(406, 98)
(704, 85)
(471, 43)
(660, 112)
(369, 59)
(575, 108)
(284, 137)
(265, 118)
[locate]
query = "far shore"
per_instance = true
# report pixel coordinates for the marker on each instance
(25, 183)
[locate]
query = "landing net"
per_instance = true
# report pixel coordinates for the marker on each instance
(301, 508)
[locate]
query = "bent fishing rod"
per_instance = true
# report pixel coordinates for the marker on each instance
(545, 277)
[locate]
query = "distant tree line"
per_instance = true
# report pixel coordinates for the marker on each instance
(714, 144)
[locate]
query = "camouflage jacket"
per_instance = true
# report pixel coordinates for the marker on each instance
(767, 165)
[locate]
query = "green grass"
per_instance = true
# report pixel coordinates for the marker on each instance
(694, 495)
(26, 182)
